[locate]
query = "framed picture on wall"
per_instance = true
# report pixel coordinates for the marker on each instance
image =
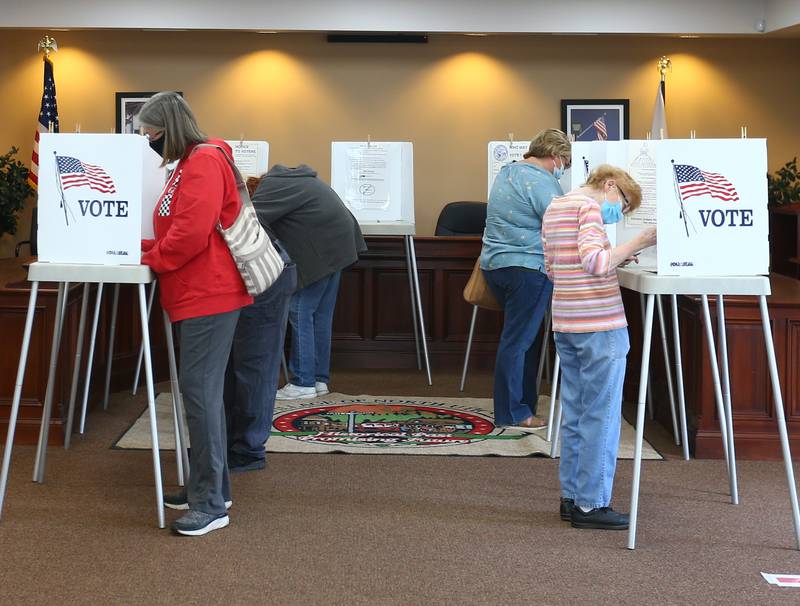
(128, 106)
(595, 119)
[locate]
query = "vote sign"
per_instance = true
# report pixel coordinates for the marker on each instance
(96, 197)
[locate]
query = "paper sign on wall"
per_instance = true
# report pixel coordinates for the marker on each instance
(375, 180)
(707, 198)
(501, 153)
(250, 157)
(96, 197)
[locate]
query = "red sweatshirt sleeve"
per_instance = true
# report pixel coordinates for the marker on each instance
(196, 213)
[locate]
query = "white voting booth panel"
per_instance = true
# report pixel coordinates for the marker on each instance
(375, 180)
(250, 157)
(707, 198)
(96, 197)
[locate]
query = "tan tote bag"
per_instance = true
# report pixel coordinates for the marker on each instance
(477, 292)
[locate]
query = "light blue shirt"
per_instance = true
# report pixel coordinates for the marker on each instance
(513, 236)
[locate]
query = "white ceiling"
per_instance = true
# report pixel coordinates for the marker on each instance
(654, 17)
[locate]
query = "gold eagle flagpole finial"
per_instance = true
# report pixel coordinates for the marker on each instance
(47, 44)
(664, 64)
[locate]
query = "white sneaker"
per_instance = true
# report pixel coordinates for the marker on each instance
(322, 388)
(290, 391)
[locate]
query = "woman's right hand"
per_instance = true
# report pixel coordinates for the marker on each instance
(647, 238)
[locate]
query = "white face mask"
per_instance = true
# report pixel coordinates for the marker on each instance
(558, 171)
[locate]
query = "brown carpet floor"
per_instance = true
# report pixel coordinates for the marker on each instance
(339, 529)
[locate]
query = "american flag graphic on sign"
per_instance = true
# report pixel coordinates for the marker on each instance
(600, 129)
(695, 182)
(74, 173)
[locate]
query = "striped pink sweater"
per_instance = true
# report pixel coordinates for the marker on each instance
(577, 255)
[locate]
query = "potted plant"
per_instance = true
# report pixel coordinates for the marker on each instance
(14, 190)
(783, 191)
(783, 187)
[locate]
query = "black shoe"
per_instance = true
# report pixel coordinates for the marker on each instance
(179, 501)
(601, 518)
(239, 466)
(567, 505)
(198, 523)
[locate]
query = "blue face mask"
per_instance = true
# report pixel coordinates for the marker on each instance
(611, 212)
(558, 171)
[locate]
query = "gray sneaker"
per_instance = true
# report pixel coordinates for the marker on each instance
(197, 523)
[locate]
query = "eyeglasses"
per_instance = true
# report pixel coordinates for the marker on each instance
(624, 198)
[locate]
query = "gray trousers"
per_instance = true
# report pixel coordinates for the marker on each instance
(205, 344)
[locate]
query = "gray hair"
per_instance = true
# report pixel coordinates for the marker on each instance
(168, 111)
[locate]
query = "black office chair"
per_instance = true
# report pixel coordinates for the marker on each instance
(33, 242)
(462, 219)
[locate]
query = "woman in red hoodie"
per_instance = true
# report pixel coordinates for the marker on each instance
(201, 291)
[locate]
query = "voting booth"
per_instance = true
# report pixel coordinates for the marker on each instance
(250, 157)
(96, 197)
(706, 197)
(500, 153)
(375, 180)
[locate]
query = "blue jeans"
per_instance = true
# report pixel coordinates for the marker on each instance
(311, 317)
(525, 296)
(593, 370)
(251, 378)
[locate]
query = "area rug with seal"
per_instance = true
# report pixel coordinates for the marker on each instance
(385, 425)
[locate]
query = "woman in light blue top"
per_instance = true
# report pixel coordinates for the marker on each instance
(512, 261)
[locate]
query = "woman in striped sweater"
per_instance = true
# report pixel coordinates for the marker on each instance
(591, 337)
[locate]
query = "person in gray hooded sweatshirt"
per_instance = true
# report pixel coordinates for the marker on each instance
(321, 236)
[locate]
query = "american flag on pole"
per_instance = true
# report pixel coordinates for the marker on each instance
(74, 173)
(600, 129)
(695, 182)
(48, 119)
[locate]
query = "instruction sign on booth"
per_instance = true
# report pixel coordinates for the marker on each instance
(96, 197)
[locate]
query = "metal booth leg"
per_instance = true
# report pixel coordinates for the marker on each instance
(548, 317)
(12, 419)
(151, 406)
(138, 371)
(44, 430)
(469, 347)
(553, 393)
(418, 295)
(726, 397)
(112, 331)
(76, 367)
(637, 453)
(668, 370)
(712, 354)
(89, 361)
(411, 291)
(679, 377)
(776, 392)
(181, 443)
(650, 411)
